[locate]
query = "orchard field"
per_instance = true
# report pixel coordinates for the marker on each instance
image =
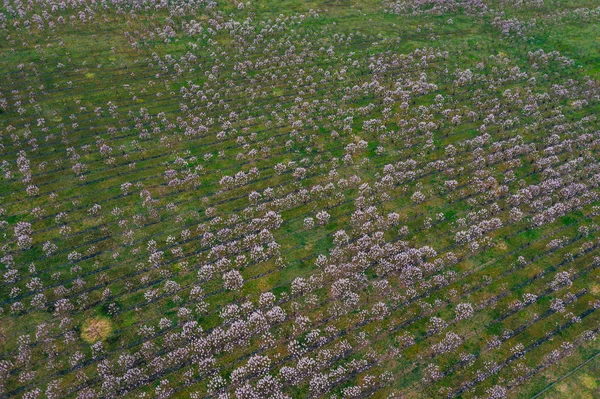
(299, 199)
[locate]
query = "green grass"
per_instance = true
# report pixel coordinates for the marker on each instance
(291, 98)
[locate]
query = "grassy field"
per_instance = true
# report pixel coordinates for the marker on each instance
(299, 199)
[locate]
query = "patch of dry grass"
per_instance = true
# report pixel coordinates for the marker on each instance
(96, 329)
